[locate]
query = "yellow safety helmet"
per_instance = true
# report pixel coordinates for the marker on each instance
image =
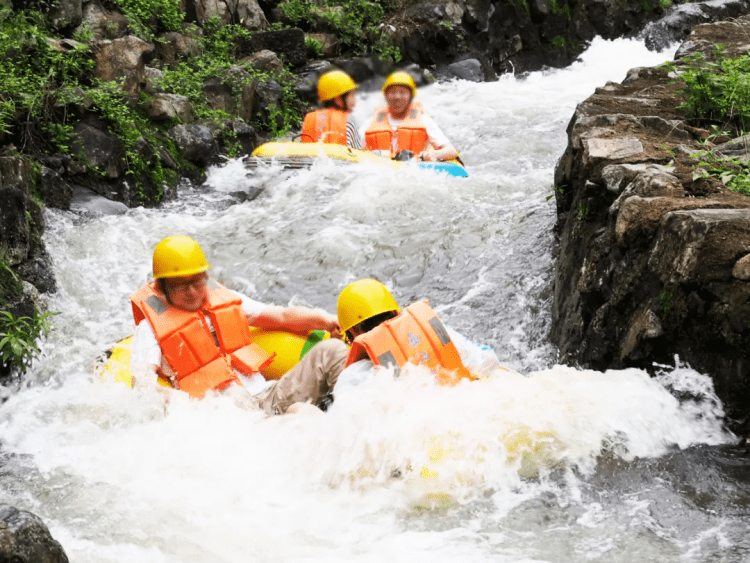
(400, 78)
(334, 83)
(178, 256)
(362, 300)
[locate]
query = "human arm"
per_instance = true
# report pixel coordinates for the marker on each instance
(295, 319)
(145, 355)
(479, 359)
(440, 147)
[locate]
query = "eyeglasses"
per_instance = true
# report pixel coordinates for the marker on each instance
(182, 287)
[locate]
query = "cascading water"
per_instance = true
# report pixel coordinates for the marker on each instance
(560, 465)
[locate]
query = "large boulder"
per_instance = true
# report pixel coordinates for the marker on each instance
(24, 538)
(196, 143)
(653, 258)
(122, 58)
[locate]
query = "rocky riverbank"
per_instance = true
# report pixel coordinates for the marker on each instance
(470, 39)
(654, 259)
(652, 263)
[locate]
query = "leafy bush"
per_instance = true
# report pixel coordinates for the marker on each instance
(148, 17)
(18, 338)
(218, 55)
(733, 173)
(34, 77)
(314, 47)
(716, 90)
(357, 24)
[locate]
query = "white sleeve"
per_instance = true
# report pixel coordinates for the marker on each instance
(250, 307)
(436, 136)
(354, 375)
(479, 358)
(144, 350)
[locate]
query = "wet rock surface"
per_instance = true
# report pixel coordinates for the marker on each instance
(24, 538)
(653, 262)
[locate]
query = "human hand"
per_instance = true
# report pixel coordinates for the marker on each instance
(331, 324)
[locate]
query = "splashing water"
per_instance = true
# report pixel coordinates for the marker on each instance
(557, 465)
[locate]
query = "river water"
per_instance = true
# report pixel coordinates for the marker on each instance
(558, 465)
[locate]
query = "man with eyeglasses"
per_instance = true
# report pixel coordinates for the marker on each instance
(193, 333)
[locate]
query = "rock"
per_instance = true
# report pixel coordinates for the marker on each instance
(219, 95)
(39, 272)
(24, 538)
(246, 12)
(468, 69)
(122, 58)
(264, 60)
(645, 325)
(163, 107)
(682, 18)
(101, 150)
(153, 77)
(329, 43)
(103, 23)
(738, 149)
(67, 14)
(610, 149)
(700, 245)
(287, 43)
(85, 199)
(741, 269)
(267, 100)
(653, 259)
(56, 192)
(195, 142)
(175, 46)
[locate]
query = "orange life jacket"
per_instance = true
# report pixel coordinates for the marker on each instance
(188, 345)
(327, 125)
(411, 134)
(416, 335)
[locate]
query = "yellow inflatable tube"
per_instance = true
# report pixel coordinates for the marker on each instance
(288, 347)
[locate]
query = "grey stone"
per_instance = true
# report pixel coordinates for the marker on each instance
(84, 198)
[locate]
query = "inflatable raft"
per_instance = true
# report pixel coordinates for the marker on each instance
(289, 348)
(303, 155)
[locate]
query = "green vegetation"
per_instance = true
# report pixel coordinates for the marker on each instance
(522, 5)
(314, 47)
(18, 338)
(36, 77)
(665, 301)
(731, 171)
(581, 213)
(141, 15)
(357, 25)
(717, 91)
(40, 82)
(217, 54)
(558, 41)
(558, 10)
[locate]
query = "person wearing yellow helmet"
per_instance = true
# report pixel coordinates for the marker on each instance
(333, 123)
(383, 334)
(401, 129)
(194, 332)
